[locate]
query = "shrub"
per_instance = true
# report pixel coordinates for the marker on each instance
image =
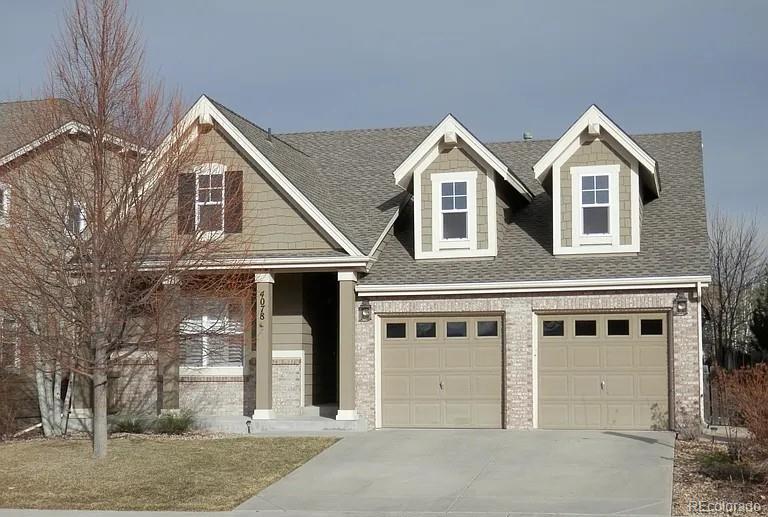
(720, 465)
(747, 391)
(687, 425)
(175, 423)
(130, 424)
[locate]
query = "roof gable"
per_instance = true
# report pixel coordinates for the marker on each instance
(450, 129)
(267, 154)
(594, 121)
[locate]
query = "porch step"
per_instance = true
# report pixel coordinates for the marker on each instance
(236, 424)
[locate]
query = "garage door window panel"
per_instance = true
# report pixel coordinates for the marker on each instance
(487, 328)
(456, 329)
(553, 328)
(618, 327)
(396, 331)
(426, 329)
(651, 326)
(585, 328)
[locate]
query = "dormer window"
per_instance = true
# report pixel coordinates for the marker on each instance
(454, 211)
(595, 214)
(595, 204)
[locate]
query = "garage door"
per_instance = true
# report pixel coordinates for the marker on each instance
(604, 371)
(441, 371)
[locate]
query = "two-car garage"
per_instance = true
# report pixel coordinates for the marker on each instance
(590, 371)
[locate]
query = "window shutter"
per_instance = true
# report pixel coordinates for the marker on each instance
(186, 203)
(233, 202)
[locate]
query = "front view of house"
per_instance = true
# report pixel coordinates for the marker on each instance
(418, 277)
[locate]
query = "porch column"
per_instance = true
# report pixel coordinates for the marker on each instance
(263, 336)
(347, 282)
(168, 354)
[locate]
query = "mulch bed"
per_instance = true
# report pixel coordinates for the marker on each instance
(717, 497)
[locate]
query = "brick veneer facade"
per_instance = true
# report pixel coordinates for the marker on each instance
(518, 311)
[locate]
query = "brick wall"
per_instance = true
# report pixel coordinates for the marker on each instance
(518, 313)
(286, 387)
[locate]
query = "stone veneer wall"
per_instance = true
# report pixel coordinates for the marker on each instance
(133, 390)
(518, 313)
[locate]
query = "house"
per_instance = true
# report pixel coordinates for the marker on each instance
(419, 277)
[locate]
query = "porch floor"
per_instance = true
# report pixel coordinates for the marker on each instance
(314, 420)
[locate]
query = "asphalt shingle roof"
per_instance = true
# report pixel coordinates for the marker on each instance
(22, 122)
(348, 176)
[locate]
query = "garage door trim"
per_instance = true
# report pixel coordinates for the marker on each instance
(379, 320)
(538, 317)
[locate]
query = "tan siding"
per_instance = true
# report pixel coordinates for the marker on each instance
(270, 222)
(596, 152)
(453, 160)
(290, 328)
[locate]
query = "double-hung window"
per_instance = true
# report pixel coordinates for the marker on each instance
(595, 204)
(209, 198)
(212, 334)
(75, 218)
(455, 215)
(595, 199)
(453, 210)
(9, 344)
(5, 204)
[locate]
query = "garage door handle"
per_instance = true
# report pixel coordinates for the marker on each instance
(441, 384)
(602, 385)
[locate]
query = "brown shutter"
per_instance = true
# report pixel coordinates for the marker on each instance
(186, 203)
(233, 202)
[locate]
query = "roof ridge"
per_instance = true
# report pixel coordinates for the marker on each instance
(23, 101)
(274, 135)
(542, 140)
(354, 130)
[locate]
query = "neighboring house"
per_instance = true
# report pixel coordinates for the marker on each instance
(418, 277)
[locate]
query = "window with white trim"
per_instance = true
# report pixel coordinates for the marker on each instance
(595, 204)
(75, 218)
(9, 344)
(454, 211)
(212, 334)
(209, 197)
(5, 204)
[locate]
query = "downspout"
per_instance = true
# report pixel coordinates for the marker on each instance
(699, 332)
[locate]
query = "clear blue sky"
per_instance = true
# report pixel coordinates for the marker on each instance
(501, 67)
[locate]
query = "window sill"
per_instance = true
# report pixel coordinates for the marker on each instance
(592, 239)
(454, 244)
(208, 371)
(211, 236)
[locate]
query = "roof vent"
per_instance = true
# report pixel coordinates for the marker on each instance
(269, 134)
(527, 135)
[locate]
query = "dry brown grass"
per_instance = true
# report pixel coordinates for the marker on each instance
(148, 473)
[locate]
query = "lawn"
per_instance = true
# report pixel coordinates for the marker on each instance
(148, 473)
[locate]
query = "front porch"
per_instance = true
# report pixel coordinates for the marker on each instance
(296, 368)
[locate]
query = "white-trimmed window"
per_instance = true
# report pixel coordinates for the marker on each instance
(75, 218)
(212, 334)
(5, 204)
(209, 197)
(454, 212)
(595, 199)
(9, 344)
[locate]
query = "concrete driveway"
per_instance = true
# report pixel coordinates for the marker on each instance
(456, 471)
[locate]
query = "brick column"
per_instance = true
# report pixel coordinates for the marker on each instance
(263, 335)
(169, 351)
(347, 282)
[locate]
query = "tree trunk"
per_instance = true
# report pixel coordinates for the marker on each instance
(100, 404)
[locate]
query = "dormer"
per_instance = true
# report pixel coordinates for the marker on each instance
(597, 176)
(452, 176)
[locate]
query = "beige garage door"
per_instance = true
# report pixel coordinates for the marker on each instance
(607, 371)
(441, 371)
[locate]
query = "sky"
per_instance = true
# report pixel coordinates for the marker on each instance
(501, 67)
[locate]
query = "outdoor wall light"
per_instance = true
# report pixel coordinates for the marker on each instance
(365, 310)
(681, 304)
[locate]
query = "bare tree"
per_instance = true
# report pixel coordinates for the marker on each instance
(93, 241)
(738, 262)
